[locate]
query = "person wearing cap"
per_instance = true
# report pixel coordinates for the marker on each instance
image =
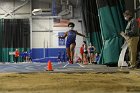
(131, 36)
(70, 43)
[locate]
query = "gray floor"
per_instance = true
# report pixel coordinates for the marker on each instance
(58, 68)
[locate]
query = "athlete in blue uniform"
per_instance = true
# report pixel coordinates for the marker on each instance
(70, 43)
(91, 50)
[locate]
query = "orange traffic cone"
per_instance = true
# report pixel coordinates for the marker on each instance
(49, 67)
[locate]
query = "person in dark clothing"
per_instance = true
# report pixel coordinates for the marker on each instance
(59, 57)
(91, 50)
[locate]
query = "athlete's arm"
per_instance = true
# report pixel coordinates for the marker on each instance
(64, 36)
(80, 34)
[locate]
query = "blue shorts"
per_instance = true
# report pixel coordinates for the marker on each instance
(69, 43)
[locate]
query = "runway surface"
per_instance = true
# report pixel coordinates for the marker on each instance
(57, 67)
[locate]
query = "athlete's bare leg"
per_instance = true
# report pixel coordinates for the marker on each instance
(85, 58)
(72, 47)
(91, 57)
(82, 57)
(68, 52)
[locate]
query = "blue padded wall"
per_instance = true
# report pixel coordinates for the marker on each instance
(50, 54)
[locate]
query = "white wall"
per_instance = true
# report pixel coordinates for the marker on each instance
(41, 32)
(39, 39)
(42, 24)
(41, 27)
(56, 30)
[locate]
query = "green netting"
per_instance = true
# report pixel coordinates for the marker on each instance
(96, 40)
(6, 57)
(91, 23)
(1, 25)
(7, 34)
(111, 23)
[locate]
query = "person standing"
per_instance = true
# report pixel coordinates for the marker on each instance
(82, 51)
(131, 36)
(91, 50)
(16, 55)
(85, 54)
(70, 43)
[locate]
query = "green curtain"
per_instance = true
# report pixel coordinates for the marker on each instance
(14, 33)
(97, 39)
(90, 21)
(111, 24)
(1, 29)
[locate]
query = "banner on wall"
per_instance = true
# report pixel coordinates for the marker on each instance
(61, 42)
(60, 22)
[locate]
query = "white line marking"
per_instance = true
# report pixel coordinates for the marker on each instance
(66, 65)
(80, 65)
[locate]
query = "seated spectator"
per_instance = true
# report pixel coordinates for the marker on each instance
(22, 56)
(64, 56)
(25, 56)
(59, 57)
(97, 58)
(30, 55)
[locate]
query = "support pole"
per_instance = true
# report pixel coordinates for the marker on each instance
(135, 7)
